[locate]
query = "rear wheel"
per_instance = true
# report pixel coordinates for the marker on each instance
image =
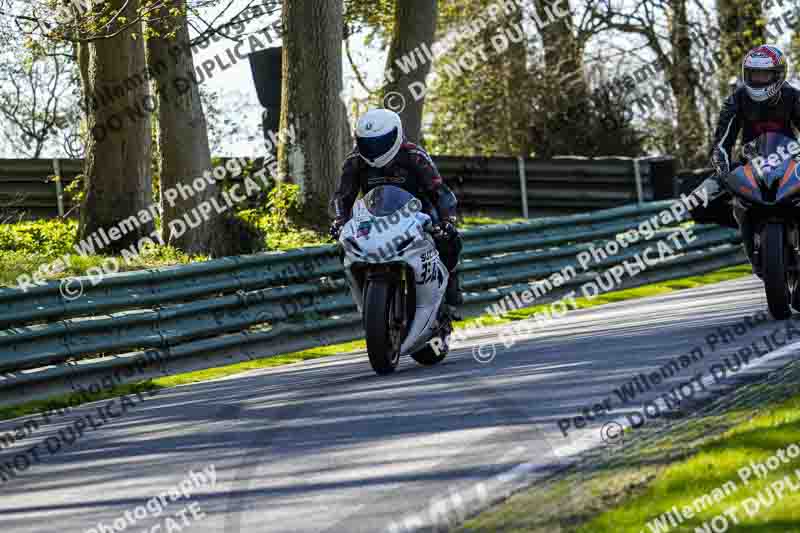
(776, 281)
(383, 327)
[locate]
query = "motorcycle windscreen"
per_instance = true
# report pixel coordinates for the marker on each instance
(386, 199)
(773, 142)
(772, 175)
(780, 169)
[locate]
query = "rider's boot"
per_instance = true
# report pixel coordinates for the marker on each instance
(748, 244)
(452, 295)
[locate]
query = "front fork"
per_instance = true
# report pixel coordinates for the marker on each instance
(401, 315)
(793, 257)
(751, 239)
(400, 304)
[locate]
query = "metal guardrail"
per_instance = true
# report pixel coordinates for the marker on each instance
(495, 185)
(554, 186)
(28, 189)
(282, 301)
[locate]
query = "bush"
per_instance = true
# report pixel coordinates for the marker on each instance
(276, 220)
(50, 238)
(283, 206)
(586, 123)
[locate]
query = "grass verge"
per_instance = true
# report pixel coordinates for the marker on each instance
(324, 351)
(697, 467)
(716, 467)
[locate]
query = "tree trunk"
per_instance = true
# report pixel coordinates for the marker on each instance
(117, 169)
(414, 29)
(517, 108)
(684, 80)
(739, 32)
(183, 146)
(563, 54)
(311, 104)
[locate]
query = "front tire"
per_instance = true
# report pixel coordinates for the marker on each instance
(776, 284)
(383, 342)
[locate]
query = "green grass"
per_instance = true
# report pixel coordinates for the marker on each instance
(713, 465)
(73, 399)
(280, 360)
(468, 222)
(635, 486)
(25, 247)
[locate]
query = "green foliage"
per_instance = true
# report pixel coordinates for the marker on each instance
(50, 238)
(276, 220)
(168, 255)
(283, 204)
(661, 136)
(481, 111)
(25, 247)
(513, 104)
(374, 16)
(75, 191)
(594, 124)
(742, 26)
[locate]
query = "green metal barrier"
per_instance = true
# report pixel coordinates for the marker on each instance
(271, 303)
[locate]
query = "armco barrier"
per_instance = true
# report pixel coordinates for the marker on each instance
(483, 184)
(553, 186)
(29, 190)
(270, 303)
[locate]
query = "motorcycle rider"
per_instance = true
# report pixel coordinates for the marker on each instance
(764, 102)
(382, 156)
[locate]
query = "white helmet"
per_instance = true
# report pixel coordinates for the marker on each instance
(379, 135)
(764, 72)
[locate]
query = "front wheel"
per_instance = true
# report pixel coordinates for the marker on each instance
(381, 325)
(776, 283)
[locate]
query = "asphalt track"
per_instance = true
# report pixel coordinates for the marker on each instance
(327, 446)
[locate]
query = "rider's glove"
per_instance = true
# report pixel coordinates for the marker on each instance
(750, 150)
(336, 228)
(721, 167)
(712, 187)
(446, 229)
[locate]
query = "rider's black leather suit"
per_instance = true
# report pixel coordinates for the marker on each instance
(740, 113)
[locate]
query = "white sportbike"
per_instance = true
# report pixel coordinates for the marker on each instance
(396, 279)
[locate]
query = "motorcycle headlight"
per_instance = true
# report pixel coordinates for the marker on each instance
(743, 184)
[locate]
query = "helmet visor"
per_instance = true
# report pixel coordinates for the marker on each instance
(759, 77)
(374, 147)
